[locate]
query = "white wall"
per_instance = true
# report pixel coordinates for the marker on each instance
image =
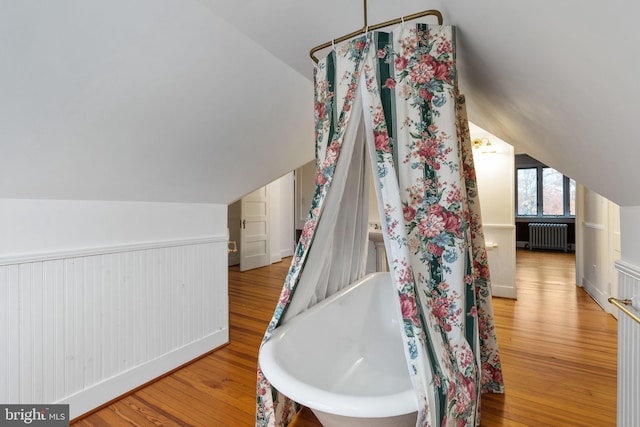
(98, 298)
(305, 189)
(597, 245)
(495, 173)
(152, 100)
(31, 227)
(630, 227)
(281, 217)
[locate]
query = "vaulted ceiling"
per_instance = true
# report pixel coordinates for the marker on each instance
(202, 101)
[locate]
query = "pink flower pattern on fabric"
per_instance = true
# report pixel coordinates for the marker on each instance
(430, 214)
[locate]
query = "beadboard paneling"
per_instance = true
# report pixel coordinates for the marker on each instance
(628, 348)
(86, 329)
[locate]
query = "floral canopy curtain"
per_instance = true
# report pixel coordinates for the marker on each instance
(416, 132)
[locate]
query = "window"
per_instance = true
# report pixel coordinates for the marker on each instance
(572, 197)
(543, 191)
(552, 192)
(527, 191)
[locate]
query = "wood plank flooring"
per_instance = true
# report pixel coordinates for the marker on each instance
(558, 352)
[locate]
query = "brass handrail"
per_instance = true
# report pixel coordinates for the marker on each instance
(621, 304)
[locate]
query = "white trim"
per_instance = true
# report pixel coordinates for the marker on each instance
(627, 269)
(275, 257)
(599, 296)
(283, 253)
(500, 226)
(503, 291)
(287, 252)
(109, 389)
(593, 225)
(101, 250)
(234, 259)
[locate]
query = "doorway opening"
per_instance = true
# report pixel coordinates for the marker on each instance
(261, 224)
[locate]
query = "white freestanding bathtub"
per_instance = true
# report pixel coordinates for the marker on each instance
(344, 358)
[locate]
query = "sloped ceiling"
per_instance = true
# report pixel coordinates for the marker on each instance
(151, 100)
(557, 80)
(204, 100)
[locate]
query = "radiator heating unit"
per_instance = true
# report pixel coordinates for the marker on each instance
(548, 236)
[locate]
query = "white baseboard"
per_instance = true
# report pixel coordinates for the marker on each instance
(107, 390)
(234, 258)
(275, 257)
(598, 295)
(283, 253)
(503, 291)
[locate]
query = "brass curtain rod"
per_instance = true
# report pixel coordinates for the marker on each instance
(365, 28)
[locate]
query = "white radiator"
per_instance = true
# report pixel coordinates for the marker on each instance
(628, 349)
(548, 236)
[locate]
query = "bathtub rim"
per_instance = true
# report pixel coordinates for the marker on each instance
(348, 405)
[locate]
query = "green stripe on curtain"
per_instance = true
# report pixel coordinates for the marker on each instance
(470, 318)
(385, 77)
(331, 78)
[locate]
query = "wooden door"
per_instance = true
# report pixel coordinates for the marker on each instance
(254, 230)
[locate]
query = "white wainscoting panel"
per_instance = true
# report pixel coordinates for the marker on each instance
(500, 240)
(88, 328)
(628, 348)
(595, 261)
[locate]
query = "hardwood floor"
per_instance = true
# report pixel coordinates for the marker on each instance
(558, 352)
